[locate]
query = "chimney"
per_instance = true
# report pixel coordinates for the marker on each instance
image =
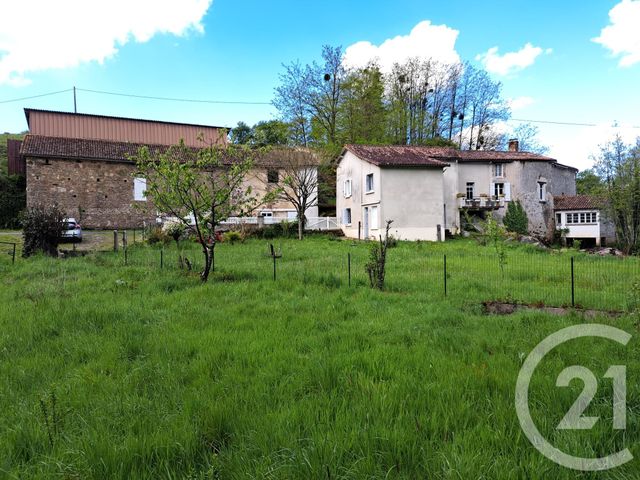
(513, 145)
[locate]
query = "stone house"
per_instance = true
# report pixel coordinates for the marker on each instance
(82, 163)
(427, 190)
(582, 217)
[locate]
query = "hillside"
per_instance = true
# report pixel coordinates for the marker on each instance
(3, 149)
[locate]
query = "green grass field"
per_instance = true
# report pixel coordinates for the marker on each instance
(132, 371)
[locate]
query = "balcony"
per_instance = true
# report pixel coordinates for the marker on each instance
(480, 203)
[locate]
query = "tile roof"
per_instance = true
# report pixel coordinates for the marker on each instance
(400, 155)
(39, 146)
(410, 155)
(577, 202)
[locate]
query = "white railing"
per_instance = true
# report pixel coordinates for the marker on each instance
(313, 223)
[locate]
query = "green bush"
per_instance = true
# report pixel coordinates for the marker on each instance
(13, 200)
(157, 235)
(232, 237)
(41, 230)
(516, 220)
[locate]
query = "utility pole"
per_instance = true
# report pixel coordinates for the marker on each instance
(75, 108)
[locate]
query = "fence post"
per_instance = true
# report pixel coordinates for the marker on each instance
(134, 236)
(359, 228)
(573, 291)
(124, 247)
(349, 266)
(274, 268)
(124, 239)
(445, 275)
(13, 255)
(115, 240)
(161, 258)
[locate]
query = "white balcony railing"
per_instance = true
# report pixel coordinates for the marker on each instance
(481, 202)
(313, 223)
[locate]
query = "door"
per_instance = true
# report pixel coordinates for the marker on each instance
(365, 217)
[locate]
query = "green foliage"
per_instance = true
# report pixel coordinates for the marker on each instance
(376, 266)
(232, 237)
(588, 183)
(516, 220)
(156, 235)
(13, 200)
(496, 235)
(41, 230)
(206, 183)
(175, 229)
(618, 165)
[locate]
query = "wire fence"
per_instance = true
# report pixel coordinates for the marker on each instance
(532, 278)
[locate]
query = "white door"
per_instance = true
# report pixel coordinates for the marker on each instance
(366, 222)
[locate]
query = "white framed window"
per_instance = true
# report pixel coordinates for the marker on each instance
(346, 216)
(140, 189)
(558, 219)
(368, 183)
(347, 188)
(470, 190)
(582, 217)
(375, 224)
(498, 170)
(542, 191)
(498, 189)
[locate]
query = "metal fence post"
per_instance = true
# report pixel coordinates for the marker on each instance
(115, 240)
(161, 258)
(349, 266)
(13, 255)
(134, 236)
(445, 275)
(573, 290)
(124, 247)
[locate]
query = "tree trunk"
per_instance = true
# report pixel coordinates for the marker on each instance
(208, 262)
(300, 225)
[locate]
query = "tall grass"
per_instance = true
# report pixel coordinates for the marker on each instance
(156, 375)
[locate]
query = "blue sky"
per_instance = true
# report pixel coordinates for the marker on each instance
(543, 51)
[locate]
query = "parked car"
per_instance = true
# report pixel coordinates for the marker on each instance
(71, 230)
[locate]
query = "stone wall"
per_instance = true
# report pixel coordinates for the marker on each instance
(97, 194)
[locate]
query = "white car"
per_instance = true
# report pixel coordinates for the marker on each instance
(71, 230)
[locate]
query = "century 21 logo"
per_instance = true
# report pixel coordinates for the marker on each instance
(573, 419)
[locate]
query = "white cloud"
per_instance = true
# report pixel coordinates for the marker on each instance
(424, 41)
(39, 35)
(622, 36)
(520, 103)
(577, 147)
(510, 62)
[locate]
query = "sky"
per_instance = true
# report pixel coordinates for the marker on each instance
(572, 61)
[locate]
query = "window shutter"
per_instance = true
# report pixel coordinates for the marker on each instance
(492, 189)
(507, 192)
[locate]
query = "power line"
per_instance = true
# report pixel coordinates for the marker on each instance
(169, 99)
(552, 122)
(36, 96)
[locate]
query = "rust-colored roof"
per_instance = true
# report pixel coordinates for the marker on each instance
(577, 202)
(411, 155)
(400, 155)
(39, 146)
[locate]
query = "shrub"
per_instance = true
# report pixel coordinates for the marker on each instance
(41, 230)
(13, 199)
(174, 229)
(157, 235)
(516, 220)
(232, 237)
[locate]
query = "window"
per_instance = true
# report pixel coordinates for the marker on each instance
(140, 189)
(558, 219)
(542, 191)
(374, 218)
(498, 170)
(498, 189)
(272, 176)
(346, 216)
(368, 183)
(582, 217)
(347, 188)
(470, 190)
